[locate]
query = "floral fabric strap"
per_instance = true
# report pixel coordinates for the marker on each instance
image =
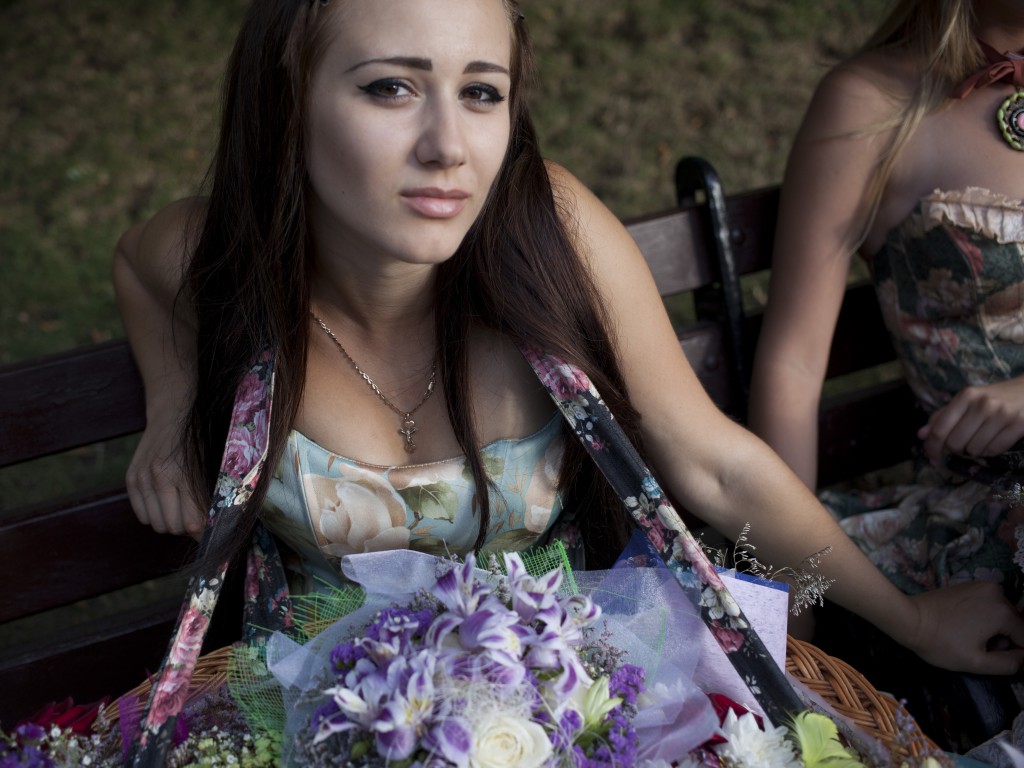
(245, 454)
(590, 419)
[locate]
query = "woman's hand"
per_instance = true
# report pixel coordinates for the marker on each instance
(968, 627)
(978, 421)
(156, 483)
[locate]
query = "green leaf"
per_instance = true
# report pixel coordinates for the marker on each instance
(818, 741)
(436, 501)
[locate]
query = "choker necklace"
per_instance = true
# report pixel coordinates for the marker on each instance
(1001, 68)
(409, 427)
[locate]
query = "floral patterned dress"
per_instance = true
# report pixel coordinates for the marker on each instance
(950, 281)
(324, 506)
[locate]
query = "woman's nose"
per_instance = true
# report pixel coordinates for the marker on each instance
(442, 141)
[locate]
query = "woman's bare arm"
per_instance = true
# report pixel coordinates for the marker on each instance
(822, 218)
(729, 477)
(148, 267)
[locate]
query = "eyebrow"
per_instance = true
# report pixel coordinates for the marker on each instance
(415, 62)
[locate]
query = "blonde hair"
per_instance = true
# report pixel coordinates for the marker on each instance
(940, 36)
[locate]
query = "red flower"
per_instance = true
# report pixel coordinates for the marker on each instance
(722, 704)
(66, 714)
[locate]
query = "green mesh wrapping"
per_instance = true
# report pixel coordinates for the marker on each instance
(255, 689)
(540, 560)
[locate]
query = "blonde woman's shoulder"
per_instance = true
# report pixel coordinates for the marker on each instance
(886, 74)
(862, 93)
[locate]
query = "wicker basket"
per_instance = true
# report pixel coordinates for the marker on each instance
(853, 696)
(839, 684)
(210, 673)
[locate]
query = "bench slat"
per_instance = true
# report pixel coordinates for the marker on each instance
(877, 426)
(752, 228)
(51, 558)
(77, 398)
(107, 659)
(666, 241)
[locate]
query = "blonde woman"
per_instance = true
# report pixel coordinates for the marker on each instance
(909, 157)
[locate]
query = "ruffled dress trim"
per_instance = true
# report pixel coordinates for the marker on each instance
(976, 209)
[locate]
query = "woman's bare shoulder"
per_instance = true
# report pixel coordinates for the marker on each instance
(176, 226)
(158, 249)
(863, 93)
(884, 74)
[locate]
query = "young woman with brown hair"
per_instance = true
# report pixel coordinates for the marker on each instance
(381, 219)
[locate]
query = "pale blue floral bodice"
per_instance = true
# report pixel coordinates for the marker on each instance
(324, 506)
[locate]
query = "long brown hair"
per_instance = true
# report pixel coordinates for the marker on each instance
(517, 269)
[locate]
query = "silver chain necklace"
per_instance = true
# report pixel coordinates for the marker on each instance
(409, 427)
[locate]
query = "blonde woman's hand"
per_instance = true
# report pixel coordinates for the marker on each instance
(978, 421)
(156, 482)
(968, 627)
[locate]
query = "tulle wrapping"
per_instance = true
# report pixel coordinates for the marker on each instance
(646, 611)
(653, 621)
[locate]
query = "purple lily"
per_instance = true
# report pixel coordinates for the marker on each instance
(451, 739)
(460, 590)
(532, 598)
(494, 630)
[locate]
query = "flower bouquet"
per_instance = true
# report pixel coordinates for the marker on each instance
(212, 730)
(448, 664)
(474, 673)
(484, 669)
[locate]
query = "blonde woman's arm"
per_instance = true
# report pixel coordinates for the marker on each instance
(821, 219)
(729, 477)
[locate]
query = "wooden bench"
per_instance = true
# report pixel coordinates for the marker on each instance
(66, 550)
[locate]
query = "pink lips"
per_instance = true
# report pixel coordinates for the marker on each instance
(436, 203)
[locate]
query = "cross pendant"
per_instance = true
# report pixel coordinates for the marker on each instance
(407, 430)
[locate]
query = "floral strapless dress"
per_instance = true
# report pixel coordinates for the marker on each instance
(323, 506)
(950, 281)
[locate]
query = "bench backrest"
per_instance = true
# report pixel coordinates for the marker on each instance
(67, 550)
(711, 247)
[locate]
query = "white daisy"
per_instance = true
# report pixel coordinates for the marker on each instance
(747, 746)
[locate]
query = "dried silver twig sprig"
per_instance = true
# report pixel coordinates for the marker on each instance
(808, 587)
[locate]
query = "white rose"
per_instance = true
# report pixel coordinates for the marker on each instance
(357, 514)
(507, 740)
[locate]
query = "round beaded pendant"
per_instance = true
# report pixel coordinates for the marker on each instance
(1010, 117)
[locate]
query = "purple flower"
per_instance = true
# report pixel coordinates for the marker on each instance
(31, 732)
(30, 757)
(399, 622)
(627, 683)
(451, 738)
(443, 625)
(532, 598)
(459, 590)
(395, 741)
(569, 726)
(345, 655)
(497, 630)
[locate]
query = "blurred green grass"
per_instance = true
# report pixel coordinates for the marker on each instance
(108, 110)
